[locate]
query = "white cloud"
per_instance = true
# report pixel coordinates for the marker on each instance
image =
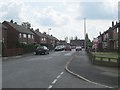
(62, 18)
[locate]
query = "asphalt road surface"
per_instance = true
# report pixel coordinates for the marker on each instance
(41, 71)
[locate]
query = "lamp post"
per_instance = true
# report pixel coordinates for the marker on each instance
(85, 32)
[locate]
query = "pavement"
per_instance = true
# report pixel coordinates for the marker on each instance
(81, 67)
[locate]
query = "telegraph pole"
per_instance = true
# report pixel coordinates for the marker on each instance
(85, 32)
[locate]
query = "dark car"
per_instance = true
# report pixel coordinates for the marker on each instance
(41, 50)
(78, 48)
(59, 48)
(68, 48)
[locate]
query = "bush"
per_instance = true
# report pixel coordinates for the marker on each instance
(26, 47)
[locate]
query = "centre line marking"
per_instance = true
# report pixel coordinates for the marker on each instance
(50, 86)
(61, 73)
(54, 81)
(58, 76)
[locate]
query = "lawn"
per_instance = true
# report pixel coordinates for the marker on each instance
(106, 54)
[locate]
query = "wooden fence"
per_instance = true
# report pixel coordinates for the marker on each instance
(12, 52)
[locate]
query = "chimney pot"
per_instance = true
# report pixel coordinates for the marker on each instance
(112, 23)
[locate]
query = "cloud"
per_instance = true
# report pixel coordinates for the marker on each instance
(65, 18)
(119, 10)
(10, 10)
(96, 10)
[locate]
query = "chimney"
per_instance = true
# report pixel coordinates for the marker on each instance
(15, 23)
(37, 30)
(31, 29)
(100, 33)
(44, 32)
(112, 23)
(11, 21)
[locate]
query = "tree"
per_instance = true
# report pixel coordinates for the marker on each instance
(88, 42)
(26, 25)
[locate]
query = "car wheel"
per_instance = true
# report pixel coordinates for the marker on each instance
(45, 53)
(36, 53)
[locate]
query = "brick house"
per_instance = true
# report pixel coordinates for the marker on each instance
(108, 41)
(62, 42)
(39, 37)
(51, 41)
(3, 32)
(115, 36)
(13, 36)
(77, 42)
(17, 34)
(3, 37)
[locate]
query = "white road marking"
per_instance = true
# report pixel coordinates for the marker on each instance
(50, 86)
(58, 76)
(61, 73)
(54, 81)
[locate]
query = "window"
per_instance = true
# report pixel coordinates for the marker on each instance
(24, 35)
(20, 35)
(29, 36)
(117, 30)
(32, 36)
(43, 39)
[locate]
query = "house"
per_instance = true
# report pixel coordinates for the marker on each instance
(17, 34)
(115, 36)
(51, 41)
(77, 42)
(108, 40)
(3, 32)
(39, 38)
(3, 38)
(62, 42)
(118, 36)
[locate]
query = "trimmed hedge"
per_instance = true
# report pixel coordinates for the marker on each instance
(27, 47)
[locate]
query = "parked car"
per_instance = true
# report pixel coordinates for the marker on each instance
(73, 47)
(41, 50)
(78, 48)
(68, 48)
(59, 48)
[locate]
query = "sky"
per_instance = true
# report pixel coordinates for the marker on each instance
(64, 17)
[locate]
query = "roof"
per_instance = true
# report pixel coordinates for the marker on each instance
(20, 28)
(2, 26)
(76, 42)
(51, 37)
(39, 34)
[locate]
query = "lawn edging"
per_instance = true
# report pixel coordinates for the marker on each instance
(103, 61)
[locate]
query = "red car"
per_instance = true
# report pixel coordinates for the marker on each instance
(68, 48)
(78, 48)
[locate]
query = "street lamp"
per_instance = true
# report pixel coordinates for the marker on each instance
(85, 32)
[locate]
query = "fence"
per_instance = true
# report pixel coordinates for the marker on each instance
(105, 61)
(12, 52)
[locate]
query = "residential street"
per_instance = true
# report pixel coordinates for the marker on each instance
(43, 71)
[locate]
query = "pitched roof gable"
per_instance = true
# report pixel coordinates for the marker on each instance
(39, 34)
(20, 28)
